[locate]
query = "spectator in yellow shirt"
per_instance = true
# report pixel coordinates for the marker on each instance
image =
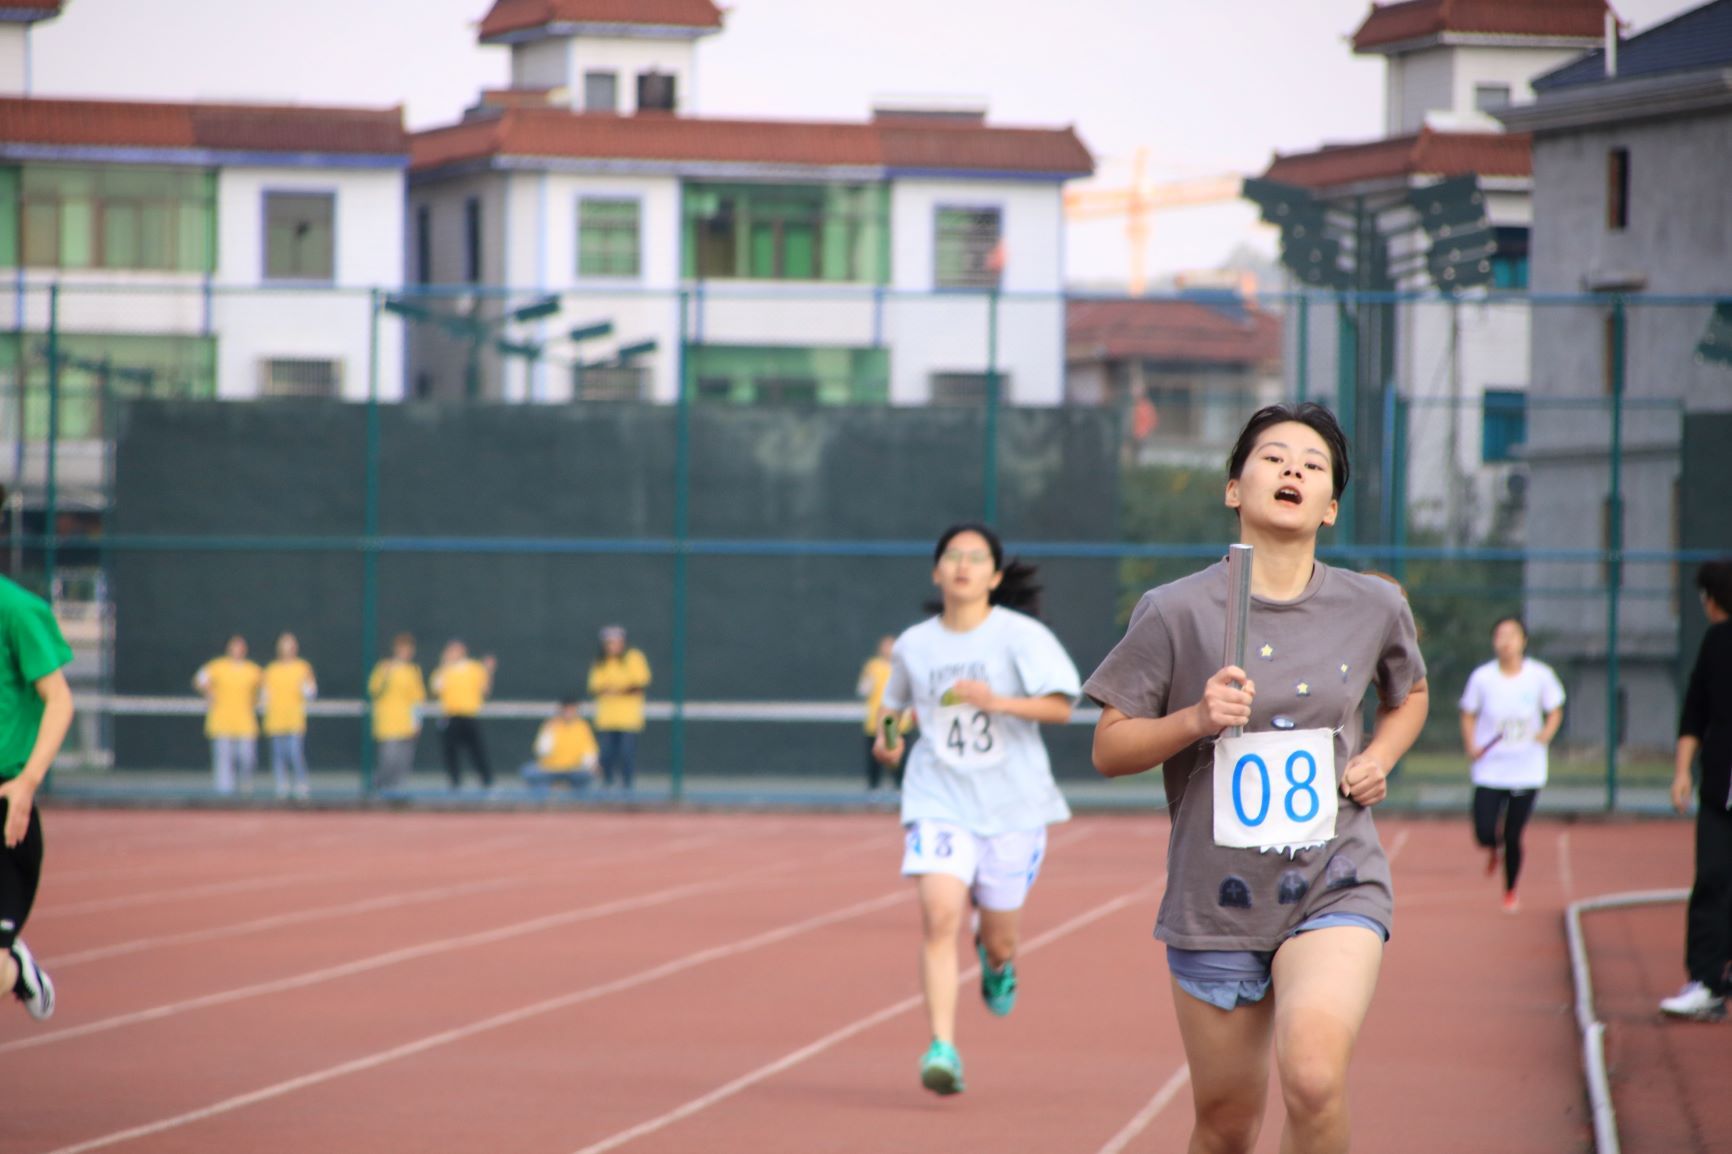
(230, 687)
(565, 752)
(288, 686)
(874, 676)
(617, 680)
(397, 691)
(462, 684)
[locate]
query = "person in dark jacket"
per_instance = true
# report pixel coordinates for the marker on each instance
(1705, 729)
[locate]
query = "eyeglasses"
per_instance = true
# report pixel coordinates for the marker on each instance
(969, 556)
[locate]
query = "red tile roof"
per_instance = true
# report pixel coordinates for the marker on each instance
(1427, 153)
(935, 145)
(1169, 330)
(508, 16)
(1420, 19)
(218, 127)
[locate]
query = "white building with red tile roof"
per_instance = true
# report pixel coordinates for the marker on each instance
(222, 250)
(818, 262)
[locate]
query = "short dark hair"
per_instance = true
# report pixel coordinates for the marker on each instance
(1512, 617)
(1715, 579)
(1308, 413)
(568, 702)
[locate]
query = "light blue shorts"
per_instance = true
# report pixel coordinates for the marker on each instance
(1232, 978)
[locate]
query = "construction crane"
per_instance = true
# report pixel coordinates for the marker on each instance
(1137, 201)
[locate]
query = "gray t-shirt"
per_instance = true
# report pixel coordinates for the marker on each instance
(989, 773)
(1311, 659)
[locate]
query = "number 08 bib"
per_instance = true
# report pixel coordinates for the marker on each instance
(1275, 789)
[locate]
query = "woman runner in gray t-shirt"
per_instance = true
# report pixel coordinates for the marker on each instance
(1274, 878)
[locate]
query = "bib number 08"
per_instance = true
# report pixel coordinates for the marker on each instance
(1275, 789)
(1304, 789)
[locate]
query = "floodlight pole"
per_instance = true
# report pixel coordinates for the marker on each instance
(989, 454)
(682, 527)
(1615, 548)
(369, 540)
(51, 501)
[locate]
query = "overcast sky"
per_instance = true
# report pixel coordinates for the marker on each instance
(1207, 87)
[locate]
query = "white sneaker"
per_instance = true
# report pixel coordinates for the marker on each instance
(34, 988)
(1695, 1001)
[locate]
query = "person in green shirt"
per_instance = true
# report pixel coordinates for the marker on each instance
(35, 711)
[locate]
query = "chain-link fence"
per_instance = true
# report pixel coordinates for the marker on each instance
(750, 477)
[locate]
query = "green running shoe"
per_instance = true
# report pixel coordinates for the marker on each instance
(941, 1068)
(997, 987)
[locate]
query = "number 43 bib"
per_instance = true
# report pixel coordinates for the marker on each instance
(966, 739)
(1275, 789)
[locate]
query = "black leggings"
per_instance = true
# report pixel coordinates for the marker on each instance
(1708, 932)
(20, 872)
(460, 733)
(1515, 805)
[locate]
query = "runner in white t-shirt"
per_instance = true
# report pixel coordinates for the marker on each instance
(978, 793)
(1510, 711)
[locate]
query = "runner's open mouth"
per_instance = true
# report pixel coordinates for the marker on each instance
(1290, 495)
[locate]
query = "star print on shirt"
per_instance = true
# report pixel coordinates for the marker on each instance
(1304, 688)
(1266, 652)
(1344, 671)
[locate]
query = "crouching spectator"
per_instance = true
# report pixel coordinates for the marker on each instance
(565, 752)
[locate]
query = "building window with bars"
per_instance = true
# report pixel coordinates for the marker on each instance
(119, 217)
(472, 240)
(966, 248)
(1503, 425)
(300, 377)
(300, 236)
(608, 231)
(787, 232)
(609, 382)
(601, 92)
(966, 388)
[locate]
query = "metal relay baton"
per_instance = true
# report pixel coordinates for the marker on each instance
(1238, 610)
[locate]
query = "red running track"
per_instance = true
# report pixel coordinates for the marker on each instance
(572, 984)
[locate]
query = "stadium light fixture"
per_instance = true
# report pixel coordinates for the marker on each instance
(536, 310)
(592, 331)
(1716, 342)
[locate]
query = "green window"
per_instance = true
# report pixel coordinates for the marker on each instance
(96, 369)
(607, 237)
(111, 217)
(838, 233)
(300, 236)
(966, 247)
(789, 375)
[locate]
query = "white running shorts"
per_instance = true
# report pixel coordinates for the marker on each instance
(999, 870)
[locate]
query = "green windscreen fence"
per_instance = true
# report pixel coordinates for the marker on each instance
(522, 529)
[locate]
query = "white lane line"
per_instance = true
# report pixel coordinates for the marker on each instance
(184, 894)
(409, 953)
(858, 1026)
(1163, 1097)
(375, 962)
(497, 1021)
(275, 921)
(1400, 842)
(320, 913)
